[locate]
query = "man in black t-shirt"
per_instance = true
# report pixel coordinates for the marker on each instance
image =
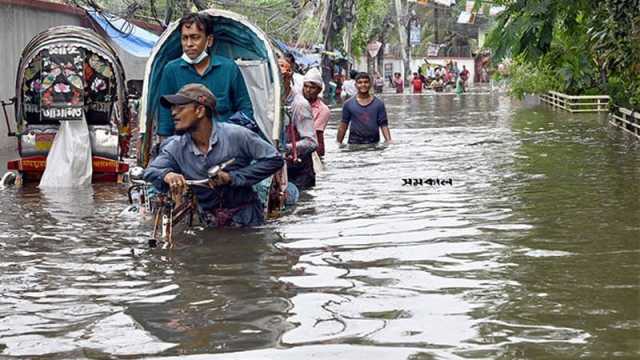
(365, 116)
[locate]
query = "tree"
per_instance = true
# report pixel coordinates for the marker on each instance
(586, 44)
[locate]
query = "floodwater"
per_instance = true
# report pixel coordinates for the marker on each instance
(531, 253)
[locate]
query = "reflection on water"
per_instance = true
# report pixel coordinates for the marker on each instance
(531, 253)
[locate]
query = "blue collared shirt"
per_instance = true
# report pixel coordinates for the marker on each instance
(222, 77)
(254, 160)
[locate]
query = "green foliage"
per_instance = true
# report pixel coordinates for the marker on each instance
(309, 33)
(579, 42)
(370, 15)
(570, 59)
(529, 78)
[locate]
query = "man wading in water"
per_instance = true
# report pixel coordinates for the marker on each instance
(301, 138)
(203, 143)
(365, 114)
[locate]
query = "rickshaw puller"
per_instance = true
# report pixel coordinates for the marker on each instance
(202, 143)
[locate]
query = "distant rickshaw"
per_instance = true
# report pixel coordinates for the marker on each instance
(238, 39)
(68, 73)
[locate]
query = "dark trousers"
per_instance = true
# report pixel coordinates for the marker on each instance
(301, 174)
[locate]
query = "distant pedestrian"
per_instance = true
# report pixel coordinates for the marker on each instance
(378, 84)
(349, 86)
(365, 116)
(398, 83)
(464, 75)
(459, 89)
(422, 77)
(312, 88)
(416, 83)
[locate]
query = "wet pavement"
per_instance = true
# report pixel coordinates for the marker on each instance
(531, 253)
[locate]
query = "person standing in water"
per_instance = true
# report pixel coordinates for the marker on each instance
(203, 142)
(416, 83)
(301, 142)
(311, 90)
(398, 83)
(365, 115)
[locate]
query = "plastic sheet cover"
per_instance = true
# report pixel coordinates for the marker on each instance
(256, 77)
(69, 160)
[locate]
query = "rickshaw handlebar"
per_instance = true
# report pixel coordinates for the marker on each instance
(6, 116)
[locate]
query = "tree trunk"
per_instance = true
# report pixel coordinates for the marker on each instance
(371, 67)
(327, 31)
(168, 13)
(348, 32)
(200, 5)
(402, 32)
(380, 58)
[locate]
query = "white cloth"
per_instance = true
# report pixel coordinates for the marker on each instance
(203, 55)
(69, 160)
(314, 76)
(298, 83)
(349, 88)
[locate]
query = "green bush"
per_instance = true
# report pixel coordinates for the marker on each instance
(528, 78)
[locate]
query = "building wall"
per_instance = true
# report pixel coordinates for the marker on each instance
(20, 21)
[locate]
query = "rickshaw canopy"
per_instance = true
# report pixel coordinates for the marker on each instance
(67, 72)
(235, 38)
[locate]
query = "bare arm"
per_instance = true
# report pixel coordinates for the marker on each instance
(386, 134)
(342, 130)
(320, 137)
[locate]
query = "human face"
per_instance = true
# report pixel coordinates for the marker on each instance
(194, 40)
(285, 69)
(363, 85)
(187, 117)
(311, 91)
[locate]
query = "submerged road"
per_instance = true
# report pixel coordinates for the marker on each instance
(531, 252)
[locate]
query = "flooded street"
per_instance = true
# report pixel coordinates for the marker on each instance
(531, 253)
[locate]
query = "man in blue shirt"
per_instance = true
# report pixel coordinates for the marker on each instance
(221, 75)
(203, 143)
(365, 116)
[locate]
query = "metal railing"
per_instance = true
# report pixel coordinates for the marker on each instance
(626, 120)
(576, 103)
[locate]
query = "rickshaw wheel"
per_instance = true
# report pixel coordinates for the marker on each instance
(8, 179)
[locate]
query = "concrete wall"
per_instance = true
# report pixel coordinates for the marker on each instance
(19, 22)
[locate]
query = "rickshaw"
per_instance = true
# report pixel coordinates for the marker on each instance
(68, 73)
(238, 39)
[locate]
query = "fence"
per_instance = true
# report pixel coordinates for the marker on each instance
(577, 103)
(626, 120)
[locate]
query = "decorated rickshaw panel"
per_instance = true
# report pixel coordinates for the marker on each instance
(66, 82)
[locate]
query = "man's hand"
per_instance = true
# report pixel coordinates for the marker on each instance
(176, 182)
(223, 178)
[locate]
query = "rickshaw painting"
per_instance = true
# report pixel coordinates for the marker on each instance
(69, 73)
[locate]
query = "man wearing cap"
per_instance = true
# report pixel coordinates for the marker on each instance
(201, 144)
(313, 86)
(221, 75)
(301, 138)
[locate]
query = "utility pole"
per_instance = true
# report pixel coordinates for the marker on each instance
(327, 31)
(348, 11)
(402, 32)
